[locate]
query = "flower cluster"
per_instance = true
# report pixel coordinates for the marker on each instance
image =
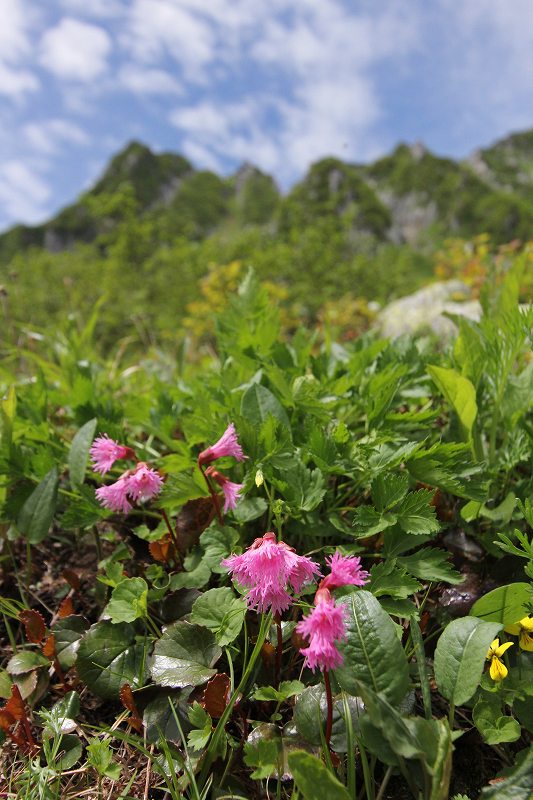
(324, 626)
(269, 569)
(227, 445)
(139, 484)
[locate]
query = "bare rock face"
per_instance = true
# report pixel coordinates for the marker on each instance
(424, 310)
(411, 215)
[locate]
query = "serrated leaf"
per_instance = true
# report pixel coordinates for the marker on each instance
(258, 403)
(416, 515)
(460, 657)
(221, 612)
(367, 521)
(184, 656)
(38, 511)
(108, 656)
(388, 489)
(388, 579)
(431, 564)
(372, 653)
(78, 456)
(128, 601)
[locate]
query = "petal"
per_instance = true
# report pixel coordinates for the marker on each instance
(498, 670)
(502, 648)
(526, 641)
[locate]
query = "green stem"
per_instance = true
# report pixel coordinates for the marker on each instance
(384, 783)
(367, 777)
(451, 715)
(350, 755)
(219, 731)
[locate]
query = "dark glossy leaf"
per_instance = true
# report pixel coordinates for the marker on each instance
(108, 656)
(184, 656)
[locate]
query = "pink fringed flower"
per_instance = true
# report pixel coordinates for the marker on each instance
(144, 483)
(231, 490)
(227, 445)
(269, 568)
(115, 496)
(105, 451)
(345, 571)
(324, 627)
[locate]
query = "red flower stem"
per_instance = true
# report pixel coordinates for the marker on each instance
(279, 650)
(171, 531)
(214, 496)
(329, 698)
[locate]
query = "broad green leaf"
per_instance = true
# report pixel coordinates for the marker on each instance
(494, 726)
(367, 521)
(388, 579)
(160, 714)
(264, 752)
(26, 661)
(249, 508)
(312, 778)
(460, 657)
(78, 456)
(60, 718)
(310, 715)
(184, 656)
(459, 392)
(285, 690)
(68, 633)
(108, 657)
(373, 654)
(221, 612)
(506, 604)
(258, 403)
(8, 407)
(38, 511)
(518, 785)
(128, 601)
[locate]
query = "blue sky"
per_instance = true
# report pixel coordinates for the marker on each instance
(280, 83)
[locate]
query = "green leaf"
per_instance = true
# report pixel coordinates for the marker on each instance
(373, 655)
(258, 403)
(506, 604)
(265, 754)
(285, 690)
(416, 515)
(38, 511)
(388, 489)
(250, 508)
(460, 657)
(516, 786)
(313, 779)
(160, 714)
(68, 633)
(459, 392)
(449, 466)
(387, 579)
(431, 564)
(128, 601)
(221, 612)
(310, 717)
(199, 719)
(184, 656)
(494, 726)
(367, 521)
(26, 661)
(78, 456)
(108, 657)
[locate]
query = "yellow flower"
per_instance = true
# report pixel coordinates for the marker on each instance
(498, 670)
(524, 630)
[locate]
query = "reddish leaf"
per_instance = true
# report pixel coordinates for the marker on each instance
(15, 704)
(216, 695)
(6, 719)
(34, 625)
(128, 701)
(49, 647)
(162, 549)
(66, 608)
(72, 578)
(193, 519)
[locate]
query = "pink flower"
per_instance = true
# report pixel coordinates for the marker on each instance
(114, 496)
(345, 571)
(231, 490)
(227, 445)
(324, 626)
(268, 568)
(144, 483)
(105, 451)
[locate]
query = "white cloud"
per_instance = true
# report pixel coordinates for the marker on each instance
(75, 51)
(50, 136)
(23, 192)
(97, 9)
(15, 47)
(144, 80)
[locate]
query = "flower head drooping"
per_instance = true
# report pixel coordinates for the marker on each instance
(227, 445)
(324, 627)
(498, 670)
(115, 496)
(105, 451)
(269, 568)
(524, 630)
(231, 490)
(345, 571)
(144, 483)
